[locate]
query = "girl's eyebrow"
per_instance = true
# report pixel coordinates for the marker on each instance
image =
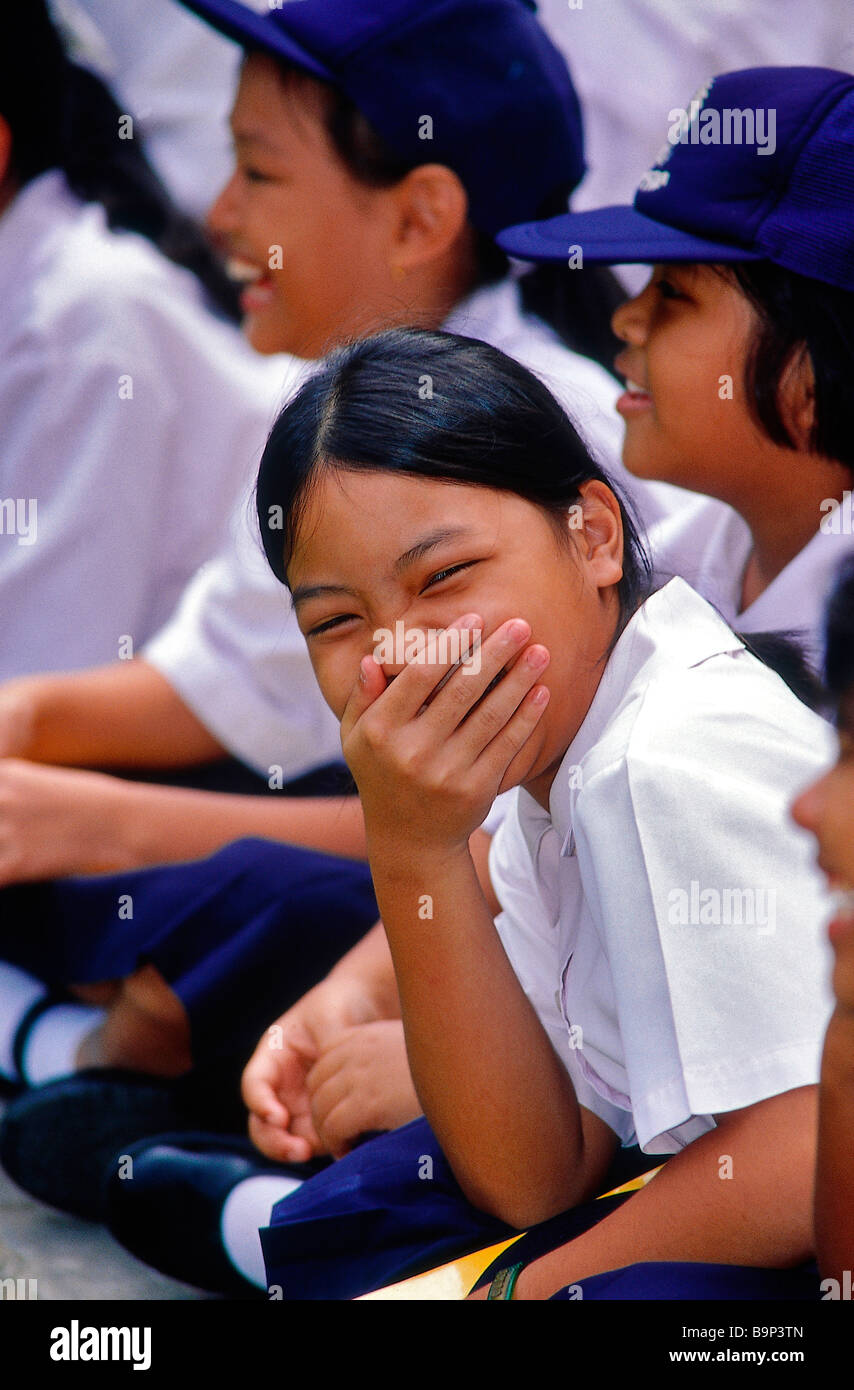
(303, 592)
(253, 137)
(428, 543)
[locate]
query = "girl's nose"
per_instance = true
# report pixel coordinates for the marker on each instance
(221, 217)
(630, 320)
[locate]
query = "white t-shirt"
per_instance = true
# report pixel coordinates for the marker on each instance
(665, 917)
(709, 544)
(233, 649)
(175, 75)
(130, 420)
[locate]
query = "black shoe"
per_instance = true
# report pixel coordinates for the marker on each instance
(58, 1141)
(167, 1209)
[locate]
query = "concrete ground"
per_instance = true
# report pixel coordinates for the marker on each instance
(68, 1258)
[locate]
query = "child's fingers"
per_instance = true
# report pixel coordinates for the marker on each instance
(496, 708)
(417, 685)
(259, 1096)
(369, 685)
(341, 1125)
(499, 755)
(327, 1066)
(278, 1143)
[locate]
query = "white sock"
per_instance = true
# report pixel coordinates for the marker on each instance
(18, 992)
(51, 1047)
(246, 1208)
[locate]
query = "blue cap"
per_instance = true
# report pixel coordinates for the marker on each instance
(505, 115)
(760, 166)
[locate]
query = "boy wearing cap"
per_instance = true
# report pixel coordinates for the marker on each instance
(740, 350)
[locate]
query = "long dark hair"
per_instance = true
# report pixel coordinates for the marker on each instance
(70, 121)
(431, 405)
(578, 306)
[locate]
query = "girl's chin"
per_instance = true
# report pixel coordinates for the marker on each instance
(268, 331)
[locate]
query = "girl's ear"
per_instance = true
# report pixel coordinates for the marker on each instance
(432, 216)
(598, 524)
(796, 396)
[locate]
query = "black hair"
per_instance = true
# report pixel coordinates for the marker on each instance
(797, 315)
(839, 634)
(432, 405)
(782, 652)
(70, 121)
(578, 306)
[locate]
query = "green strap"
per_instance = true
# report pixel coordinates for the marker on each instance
(504, 1282)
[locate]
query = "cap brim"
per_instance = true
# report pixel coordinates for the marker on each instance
(613, 236)
(253, 30)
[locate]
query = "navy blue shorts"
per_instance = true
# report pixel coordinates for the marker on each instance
(393, 1208)
(239, 936)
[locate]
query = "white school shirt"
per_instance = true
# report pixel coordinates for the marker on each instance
(233, 649)
(130, 418)
(709, 544)
(664, 916)
(175, 75)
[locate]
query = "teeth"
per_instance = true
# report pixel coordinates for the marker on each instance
(238, 269)
(636, 390)
(842, 900)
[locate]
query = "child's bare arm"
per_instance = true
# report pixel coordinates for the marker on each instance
(834, 1184)
(122, 715)
(760, 1215)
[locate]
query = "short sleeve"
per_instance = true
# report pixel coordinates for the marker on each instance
(706, 899)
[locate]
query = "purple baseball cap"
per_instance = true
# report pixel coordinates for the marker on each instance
(760, 166)
(504, 113)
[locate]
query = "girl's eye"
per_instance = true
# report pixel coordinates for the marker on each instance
(328, 626)
(443, 574)
(255, 176)
(668, 290)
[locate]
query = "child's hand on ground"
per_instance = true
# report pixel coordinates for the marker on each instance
(274, 1087)
(361, 1083)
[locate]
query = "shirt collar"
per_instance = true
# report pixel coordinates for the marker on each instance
(487, 313)
(675, 628)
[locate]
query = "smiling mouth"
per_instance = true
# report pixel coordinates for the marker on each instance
(257, 283)
(842, 900)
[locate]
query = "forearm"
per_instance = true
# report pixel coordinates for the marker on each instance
(834, 1185)
(691, 1211)
(499, 1100)
(123, 715)
(170, 824)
